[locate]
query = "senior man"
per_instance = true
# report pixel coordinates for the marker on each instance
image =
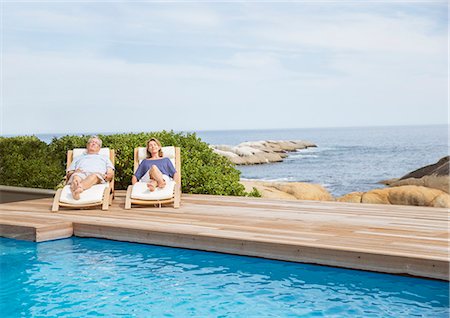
(89, 169)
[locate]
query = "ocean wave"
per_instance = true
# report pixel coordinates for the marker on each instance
(315, 149)
(300, 156)
(285, 179)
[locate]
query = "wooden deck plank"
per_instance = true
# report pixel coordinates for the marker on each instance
(32, 228)
(394, 239)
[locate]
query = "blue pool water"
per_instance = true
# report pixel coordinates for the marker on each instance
(91, 277)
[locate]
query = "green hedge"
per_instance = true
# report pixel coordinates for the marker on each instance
(29, 162)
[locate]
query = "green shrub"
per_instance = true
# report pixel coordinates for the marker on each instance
(27, 162)
(202, 171)
(254, 193)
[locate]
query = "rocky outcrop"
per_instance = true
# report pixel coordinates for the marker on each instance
(352, 197)
(427, 186)
(257, 152)
(434, 176)
(289, 190)
(401, 195)
(440, 168)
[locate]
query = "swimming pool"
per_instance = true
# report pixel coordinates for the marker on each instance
(91, 277)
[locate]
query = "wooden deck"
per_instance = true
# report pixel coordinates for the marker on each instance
(390, 239)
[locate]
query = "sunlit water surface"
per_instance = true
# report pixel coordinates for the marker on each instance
(91, 277)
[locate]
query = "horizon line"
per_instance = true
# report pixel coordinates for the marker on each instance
(217, 130)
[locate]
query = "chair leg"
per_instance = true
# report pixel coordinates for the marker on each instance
(55, 206)
(177, 201)
(105, 204)
(128, 198)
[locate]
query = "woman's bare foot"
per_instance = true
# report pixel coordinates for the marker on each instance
(76, 193)
(151, 185)
(161, 184)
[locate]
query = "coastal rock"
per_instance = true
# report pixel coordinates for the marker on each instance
(352, 197)
(289, 190)
(440, 168)
(434, 176)
(401, 195)
(435, 182)
(231, 156)
(258, 152)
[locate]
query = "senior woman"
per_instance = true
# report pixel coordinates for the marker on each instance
(155, 170)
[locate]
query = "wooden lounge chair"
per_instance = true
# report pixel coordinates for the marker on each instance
(98, 195)
(141, 195)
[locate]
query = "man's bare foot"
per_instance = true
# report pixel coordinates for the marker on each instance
(151, 186)
(77, 192)
(74, 185)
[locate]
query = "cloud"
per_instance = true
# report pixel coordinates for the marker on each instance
(355, 31)
(216, 66)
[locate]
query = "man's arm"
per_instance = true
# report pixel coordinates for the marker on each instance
(69, 174)
(109, 175)
(74, 167)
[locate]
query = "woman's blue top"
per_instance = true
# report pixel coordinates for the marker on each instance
(164, 165)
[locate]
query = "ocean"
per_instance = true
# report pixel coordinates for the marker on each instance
(345, 159)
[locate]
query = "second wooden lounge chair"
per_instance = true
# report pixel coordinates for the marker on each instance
(98, 195)
(139, 193)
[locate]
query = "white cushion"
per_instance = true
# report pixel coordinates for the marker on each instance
(89, 196)
(168, 152)
(141, 192)
(79, 151)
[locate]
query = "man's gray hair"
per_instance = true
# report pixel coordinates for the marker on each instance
(95, 137)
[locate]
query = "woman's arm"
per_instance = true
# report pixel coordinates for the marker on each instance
(176, 177)
(140, 171)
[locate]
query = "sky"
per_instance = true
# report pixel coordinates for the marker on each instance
(132, 66)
